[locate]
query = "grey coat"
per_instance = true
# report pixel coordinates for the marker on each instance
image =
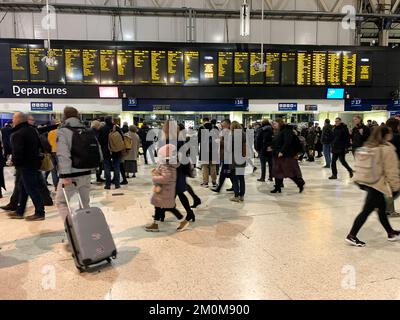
(133, 154)
(64, 144)
(167, 181)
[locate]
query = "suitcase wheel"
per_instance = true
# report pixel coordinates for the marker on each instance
(81, 270)
(109, 260)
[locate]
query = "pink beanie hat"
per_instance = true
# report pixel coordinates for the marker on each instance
(167, 152)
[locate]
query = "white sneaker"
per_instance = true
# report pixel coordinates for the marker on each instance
(394, 237)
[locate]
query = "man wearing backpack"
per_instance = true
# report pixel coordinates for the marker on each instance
(112, 144)
(78, 153)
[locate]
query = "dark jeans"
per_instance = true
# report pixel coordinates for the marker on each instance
(264, 159)
(14, 200)
(223, 175)
(375, 199)
(160, 213)
(342, 158)
(113, 162)
(327, 154)
(122, 169)
(99, 171)
(54, 173)
(239, 185)
(29, 185)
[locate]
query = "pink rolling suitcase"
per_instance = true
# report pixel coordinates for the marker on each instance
(89, 236)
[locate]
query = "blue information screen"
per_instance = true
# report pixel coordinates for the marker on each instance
(335, 93)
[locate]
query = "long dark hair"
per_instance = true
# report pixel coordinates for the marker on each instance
(377, 137)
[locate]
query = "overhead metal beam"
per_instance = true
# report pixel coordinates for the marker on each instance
(395, 6)
(200, 13)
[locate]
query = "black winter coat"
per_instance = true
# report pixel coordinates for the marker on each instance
(396, 142)
(283, 142)
(359, 139)
(327, 134)
(265, 135)
(26, 147)
(103, 139)
(341, 139)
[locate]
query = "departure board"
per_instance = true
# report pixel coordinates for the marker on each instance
(37, 68)
(319, 68)
(304, 68)
(349, 68)
(364, 66)
(73, 66)
(334, 68)
(208, 68)
(142, 67)
(19, 64)
(175, 67)
(191, 67)
(55, 73)
(225, 67)
(125, 66)
(241, 69)
(273, 68)
(108, 69)
(288, 68)
(91, 69)
(159, 67)
(256, 77)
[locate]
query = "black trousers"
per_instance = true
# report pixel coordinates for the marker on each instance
(375, 199)
(44, 191)
(160, 213)
(191, 192)
(264, 159)
(223, 175)
(342, 158)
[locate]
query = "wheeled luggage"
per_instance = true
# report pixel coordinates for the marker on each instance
(89, 236)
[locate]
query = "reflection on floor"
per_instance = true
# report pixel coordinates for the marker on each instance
(286, 246)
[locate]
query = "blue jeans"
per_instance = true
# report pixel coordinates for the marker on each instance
(327, 154)
(30, 183)
(113, 162)
(239, 185)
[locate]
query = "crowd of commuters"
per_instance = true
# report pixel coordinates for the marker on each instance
(222, 150)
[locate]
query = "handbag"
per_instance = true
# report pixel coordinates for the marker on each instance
(47, 164)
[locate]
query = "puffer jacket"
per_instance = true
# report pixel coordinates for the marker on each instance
(64, 145)
(167, 181)
(390, 180)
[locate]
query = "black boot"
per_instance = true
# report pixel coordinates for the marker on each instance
(277, 189)
(197, 202)
(191, 217)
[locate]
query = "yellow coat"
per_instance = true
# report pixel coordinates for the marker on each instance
(52, 137)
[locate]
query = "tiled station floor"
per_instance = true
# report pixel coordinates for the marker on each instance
(285, 246)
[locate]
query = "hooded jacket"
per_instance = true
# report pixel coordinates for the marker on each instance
(166, 179)
(64, 144)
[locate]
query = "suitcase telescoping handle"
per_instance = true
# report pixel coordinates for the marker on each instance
(66, 198)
